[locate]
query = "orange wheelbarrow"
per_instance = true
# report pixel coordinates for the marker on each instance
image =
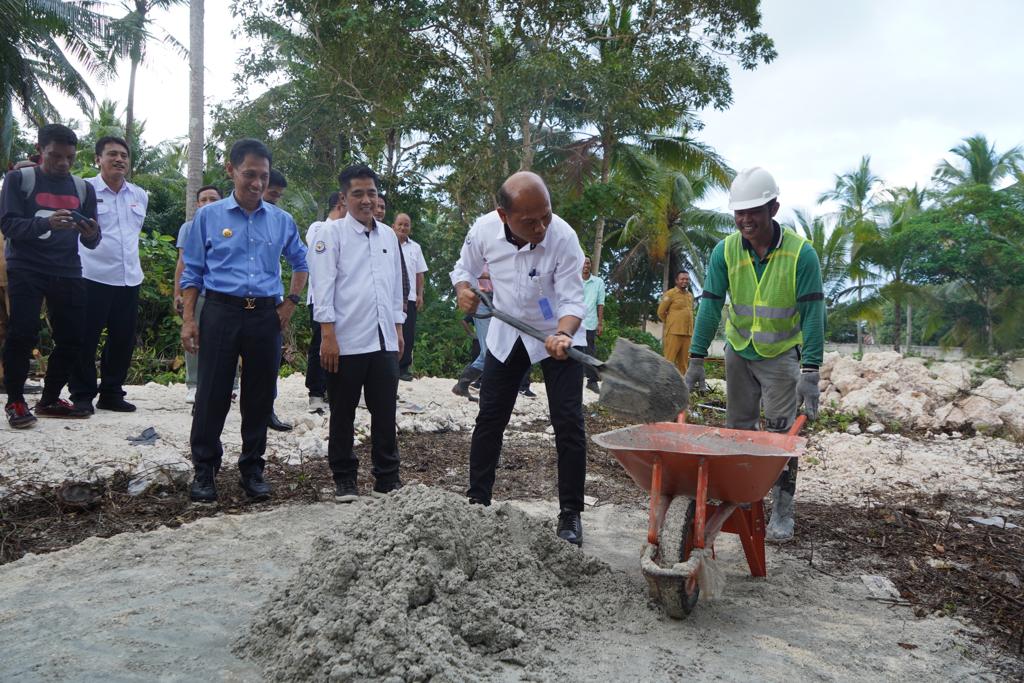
(684, 467)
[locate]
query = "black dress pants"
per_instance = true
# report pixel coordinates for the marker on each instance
(65, 305)
(499, 388)
(409, 333)
(114, 309)
(316, 378)
(376, 374)
(592, 350)
(227, 333)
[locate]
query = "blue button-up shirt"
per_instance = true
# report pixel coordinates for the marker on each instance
(232, 252)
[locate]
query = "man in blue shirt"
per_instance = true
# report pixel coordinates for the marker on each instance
(593, 323)
(233, 252)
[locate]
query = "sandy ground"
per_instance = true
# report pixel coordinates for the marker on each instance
(167, 605)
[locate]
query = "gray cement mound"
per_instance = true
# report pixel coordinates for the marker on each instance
(424, 585)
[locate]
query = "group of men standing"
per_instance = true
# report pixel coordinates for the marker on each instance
(74, 244)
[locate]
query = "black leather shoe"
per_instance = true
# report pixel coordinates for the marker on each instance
(405, 376)
(116, 404)
(570, 527)
(477, 501)
(254, 486)
(86, 406)
(276, 424)
(203, 490)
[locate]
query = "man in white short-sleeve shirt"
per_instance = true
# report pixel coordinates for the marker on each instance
(415, 266)
(536, 265)
(113, 273)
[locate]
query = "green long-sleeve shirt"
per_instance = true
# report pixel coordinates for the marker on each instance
(810, 301)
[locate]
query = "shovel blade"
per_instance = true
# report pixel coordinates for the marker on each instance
(639, 384)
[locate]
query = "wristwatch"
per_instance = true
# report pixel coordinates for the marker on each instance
(294, 298)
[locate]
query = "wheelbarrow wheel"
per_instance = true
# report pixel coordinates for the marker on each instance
(674, 543)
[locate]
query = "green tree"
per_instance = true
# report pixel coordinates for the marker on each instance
(975, 243)
(857, 192)
(650, 62)
(128, 38)
(831, 246)
(39, 39)
(665, 225)
(977, 163)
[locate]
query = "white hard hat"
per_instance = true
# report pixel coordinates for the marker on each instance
(752, 187)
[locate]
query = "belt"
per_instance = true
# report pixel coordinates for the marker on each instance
(248, 303)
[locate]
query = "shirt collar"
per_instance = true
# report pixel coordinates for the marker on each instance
(506, 234)
(358, 227)
(776, 239)
(232, 203)
(103, 185)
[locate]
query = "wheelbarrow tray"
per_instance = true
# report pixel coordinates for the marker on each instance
(742, 465)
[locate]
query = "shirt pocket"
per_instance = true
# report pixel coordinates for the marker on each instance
(137, 216)
(268, 252)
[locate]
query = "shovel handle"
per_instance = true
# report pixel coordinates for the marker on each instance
(531, 331)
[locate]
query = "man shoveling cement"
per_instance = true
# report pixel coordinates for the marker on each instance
(536, 265)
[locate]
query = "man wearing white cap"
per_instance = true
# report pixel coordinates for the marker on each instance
(774, 329)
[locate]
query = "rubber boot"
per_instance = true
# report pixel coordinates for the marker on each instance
(781, 526)
(469, 375)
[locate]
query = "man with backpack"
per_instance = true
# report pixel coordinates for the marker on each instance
(45, 212)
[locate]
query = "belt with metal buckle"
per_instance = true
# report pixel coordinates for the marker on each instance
(247, 303)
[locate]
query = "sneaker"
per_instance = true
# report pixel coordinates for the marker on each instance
(345, 491)
(190, 395)
(85, 406)
(594, 386)
(382, 490)
(115, 404)
(528, 393)
(18, 415)
(570, 527)
(317, 404)
(62, 409)
(475, 384)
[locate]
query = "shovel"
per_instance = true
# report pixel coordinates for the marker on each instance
(636, 382)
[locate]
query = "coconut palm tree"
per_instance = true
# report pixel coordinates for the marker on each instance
(857, 193)
(977, 163)
(666, 227)
(128, 38)
(38, 41)
(832, 247)
(196, 11)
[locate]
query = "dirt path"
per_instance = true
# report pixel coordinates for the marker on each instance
(166, 605)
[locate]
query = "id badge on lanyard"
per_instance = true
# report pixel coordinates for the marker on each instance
(542, 301)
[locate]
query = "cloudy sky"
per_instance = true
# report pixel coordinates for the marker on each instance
(900, 80)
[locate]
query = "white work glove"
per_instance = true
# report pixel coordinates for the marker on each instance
(694, 378)
(807, 392)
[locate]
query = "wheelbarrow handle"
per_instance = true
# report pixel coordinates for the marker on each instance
(798, 424)
(573, 353)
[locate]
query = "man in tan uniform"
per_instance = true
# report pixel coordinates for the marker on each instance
(676, 311)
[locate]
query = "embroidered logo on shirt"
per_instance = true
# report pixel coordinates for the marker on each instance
(320, 247)
(227, 232)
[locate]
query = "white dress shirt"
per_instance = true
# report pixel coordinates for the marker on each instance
(356, 279)
(521, 277)
(115, 261)
(414, 264)
(311, 232)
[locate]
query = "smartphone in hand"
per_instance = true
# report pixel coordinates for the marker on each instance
(78, 217)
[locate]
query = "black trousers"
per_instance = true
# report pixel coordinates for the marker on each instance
(65, 305)
(227, 333)
(409, 332)
(114, 309)
(316, 378)
(376, 374)
(592, 350)
(498, 390)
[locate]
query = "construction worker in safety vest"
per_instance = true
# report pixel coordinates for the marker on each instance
(774, 328)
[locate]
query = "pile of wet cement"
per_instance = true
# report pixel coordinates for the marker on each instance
(423, 585)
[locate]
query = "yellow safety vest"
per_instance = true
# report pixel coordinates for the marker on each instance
(763, 313)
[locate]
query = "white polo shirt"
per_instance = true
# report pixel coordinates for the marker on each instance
(414, 264)
(115, 261)
(521, 277)
(311, 232)
(355, 278)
